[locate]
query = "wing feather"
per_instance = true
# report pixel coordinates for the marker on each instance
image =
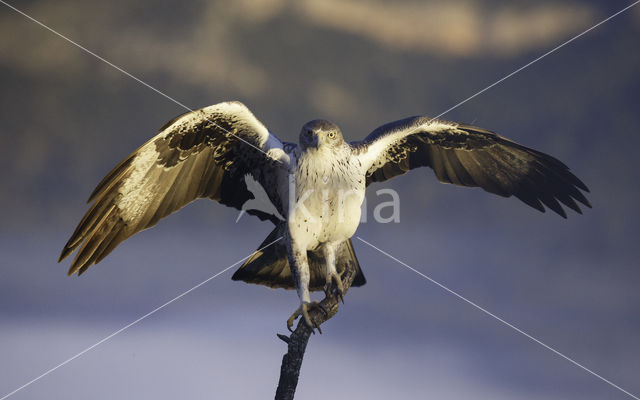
(462, 172)
(470, 156)
(204, 153)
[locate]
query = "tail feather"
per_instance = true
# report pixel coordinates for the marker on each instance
(270, 266)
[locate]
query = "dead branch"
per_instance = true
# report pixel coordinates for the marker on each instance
(297, 341)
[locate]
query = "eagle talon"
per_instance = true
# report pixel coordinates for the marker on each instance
(323, 309)
(304, 311)
(336, 291)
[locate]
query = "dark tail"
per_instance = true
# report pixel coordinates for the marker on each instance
(270, 266)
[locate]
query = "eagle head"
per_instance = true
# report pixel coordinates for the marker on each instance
(319, 134)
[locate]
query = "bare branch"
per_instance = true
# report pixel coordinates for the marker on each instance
(297, 342)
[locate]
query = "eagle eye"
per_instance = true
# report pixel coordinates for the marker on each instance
(331, 135)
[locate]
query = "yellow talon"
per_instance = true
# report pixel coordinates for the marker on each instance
(304, 311)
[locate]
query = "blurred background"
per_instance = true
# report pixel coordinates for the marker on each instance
(68, 118)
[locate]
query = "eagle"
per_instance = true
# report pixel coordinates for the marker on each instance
(315, 188)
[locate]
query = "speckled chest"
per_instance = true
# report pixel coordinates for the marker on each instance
(329, 190)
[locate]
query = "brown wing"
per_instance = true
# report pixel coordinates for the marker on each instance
(205, 153)
(470, 156)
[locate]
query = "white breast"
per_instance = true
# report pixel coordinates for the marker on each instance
(329, 191)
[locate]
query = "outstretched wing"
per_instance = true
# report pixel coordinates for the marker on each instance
(204, 153)
(470, 156)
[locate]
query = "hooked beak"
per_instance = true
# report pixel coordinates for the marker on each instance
(311, 140)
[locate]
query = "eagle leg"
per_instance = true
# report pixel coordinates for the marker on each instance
(334, 286)
(304, 311)
(300, 270)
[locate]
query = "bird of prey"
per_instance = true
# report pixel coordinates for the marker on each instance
(317, 185)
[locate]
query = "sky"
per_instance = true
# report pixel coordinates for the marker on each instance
(68, 118)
